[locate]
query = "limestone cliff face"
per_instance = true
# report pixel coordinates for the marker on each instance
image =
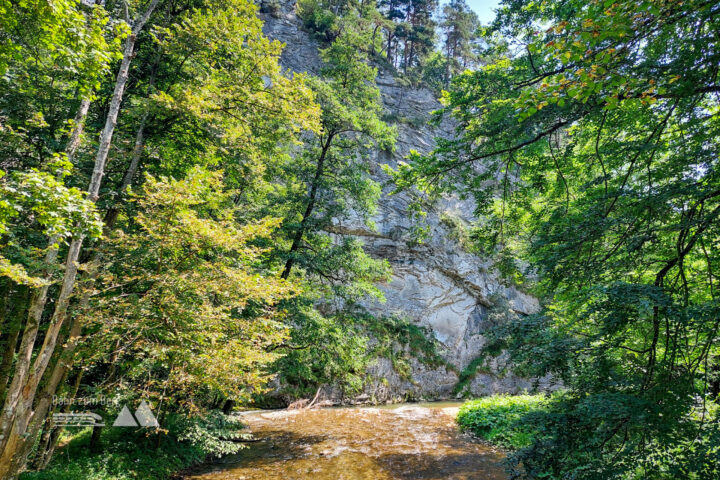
(436, 284)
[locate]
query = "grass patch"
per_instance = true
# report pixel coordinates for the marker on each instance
(498, 419)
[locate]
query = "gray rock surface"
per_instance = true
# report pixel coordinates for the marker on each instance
(436, 284)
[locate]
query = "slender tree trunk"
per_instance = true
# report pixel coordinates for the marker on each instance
(95, 439)
(7, 358)
(49, 440)
(448, 58)
(714, 384)
(16, 438)
(78, 127)
(406, 52)
(113, 211)
(111, 120)
(5, 293)
(44, 443)
(49, 450)
(60, 370)
(228, 406)
(47, 426)
(317, 395)
(34, 316)
(297, 240)
(11, 411)
(37, 305)
(137, 155)
(389, 48)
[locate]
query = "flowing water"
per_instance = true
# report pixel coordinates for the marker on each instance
(411, 441)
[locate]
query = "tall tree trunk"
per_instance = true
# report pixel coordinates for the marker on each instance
(448, 59)
(45, 441)
(95, 439)
(5, 293)
(297, 240)
(78, 127)
(389, 52)
(51, 435)
(114, 210)
(406, 51)
(137, 154)
(62, 367)
(16, 438)
(11, 412)
(37, 304)
(11, 408)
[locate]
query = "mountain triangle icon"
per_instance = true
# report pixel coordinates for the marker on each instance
(125, 419)
(145, 416)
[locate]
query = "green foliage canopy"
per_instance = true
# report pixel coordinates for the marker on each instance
(590, 145)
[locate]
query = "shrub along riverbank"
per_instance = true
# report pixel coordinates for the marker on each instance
(518, 424)
(499, 419)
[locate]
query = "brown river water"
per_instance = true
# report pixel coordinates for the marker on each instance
(402, 442)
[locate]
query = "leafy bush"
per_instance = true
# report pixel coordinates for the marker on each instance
(215, 434)
(547, 427)
(318, 19)
(351, 341)
(466, 376)
(498, 418)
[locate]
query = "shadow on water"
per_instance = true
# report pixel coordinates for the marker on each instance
(418, 442)
(428, 467)
(273, 446)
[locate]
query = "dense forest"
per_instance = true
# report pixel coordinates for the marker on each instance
(169, 197)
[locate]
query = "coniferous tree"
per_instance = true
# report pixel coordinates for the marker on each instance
(459, 25)
(421, 33)
(413, 38)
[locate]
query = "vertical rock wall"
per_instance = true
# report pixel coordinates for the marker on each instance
(436, 284)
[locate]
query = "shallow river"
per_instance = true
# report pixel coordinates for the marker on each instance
(403, 442)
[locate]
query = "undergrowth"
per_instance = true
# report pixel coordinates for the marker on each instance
(497, 419)
(139, 454)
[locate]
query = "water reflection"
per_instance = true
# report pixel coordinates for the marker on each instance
(407, 442)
